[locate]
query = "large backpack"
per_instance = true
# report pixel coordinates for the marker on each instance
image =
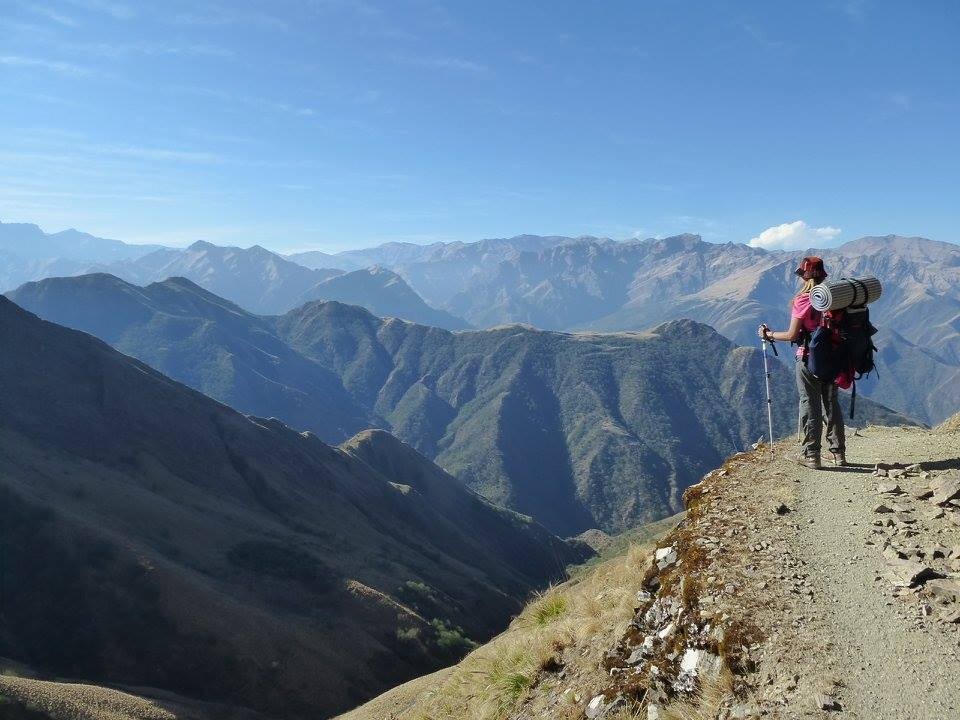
(841, 349)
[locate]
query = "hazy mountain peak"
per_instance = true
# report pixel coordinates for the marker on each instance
(912, 248)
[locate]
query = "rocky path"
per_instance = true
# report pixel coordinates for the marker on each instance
(832, 593)
(894, 654)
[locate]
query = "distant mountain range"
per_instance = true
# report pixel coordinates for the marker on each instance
(153, 537)
(579, 431)
(255, 278)
(568, 284)
(27, 253)
(407, 255)
(603, 285)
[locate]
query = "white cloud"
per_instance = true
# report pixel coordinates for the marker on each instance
(793, 235)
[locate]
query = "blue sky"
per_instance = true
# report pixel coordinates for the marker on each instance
(345, 123)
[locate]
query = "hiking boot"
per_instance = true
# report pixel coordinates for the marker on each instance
(810, 462)
(838, 458)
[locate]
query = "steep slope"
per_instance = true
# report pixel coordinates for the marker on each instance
(157, 538)
(205, 342)
(579, 431)
(383, 293)
(782, 593)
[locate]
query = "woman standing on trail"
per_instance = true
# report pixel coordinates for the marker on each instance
(818, 399)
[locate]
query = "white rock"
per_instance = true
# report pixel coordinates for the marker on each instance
(653, 712)
(945, 488)
(691, 659)
(890, 488)
(665, 557)
(595, 707)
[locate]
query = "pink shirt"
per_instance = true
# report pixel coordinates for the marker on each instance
(809, 318)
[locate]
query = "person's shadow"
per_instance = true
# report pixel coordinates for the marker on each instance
(951, 464)
(852, 467)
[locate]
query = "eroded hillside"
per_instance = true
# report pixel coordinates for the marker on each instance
(783, 593)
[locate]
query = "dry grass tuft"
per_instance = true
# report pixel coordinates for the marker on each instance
(707, 703)
(570, 625)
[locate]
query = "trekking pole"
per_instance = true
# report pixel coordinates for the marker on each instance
(766, 373)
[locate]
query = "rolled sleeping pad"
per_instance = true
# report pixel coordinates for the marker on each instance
(844, 293)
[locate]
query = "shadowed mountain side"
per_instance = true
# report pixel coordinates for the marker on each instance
(579, 431)
(203, 341)
(384, 293)
(492, 533)
(154, 537)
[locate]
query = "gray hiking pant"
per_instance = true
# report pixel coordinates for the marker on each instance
(818, 401)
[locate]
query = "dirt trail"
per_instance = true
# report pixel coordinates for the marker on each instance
(893, 661)
(794, 578)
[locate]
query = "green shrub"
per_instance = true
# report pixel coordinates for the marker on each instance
(450, 639)
(408, 634)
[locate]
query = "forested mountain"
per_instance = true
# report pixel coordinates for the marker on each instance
(579, 431)
(157, 538)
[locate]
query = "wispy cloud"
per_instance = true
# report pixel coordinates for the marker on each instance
(54, 15)
(854, 9)
(55, 66)
(759, 34)
(154, 153)
(115, 50)
(223, 16)
(259, 103)
(367, 97)
(116, 10)
(900, 100)
(444, 63)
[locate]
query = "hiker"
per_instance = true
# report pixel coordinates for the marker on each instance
(818, 399)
